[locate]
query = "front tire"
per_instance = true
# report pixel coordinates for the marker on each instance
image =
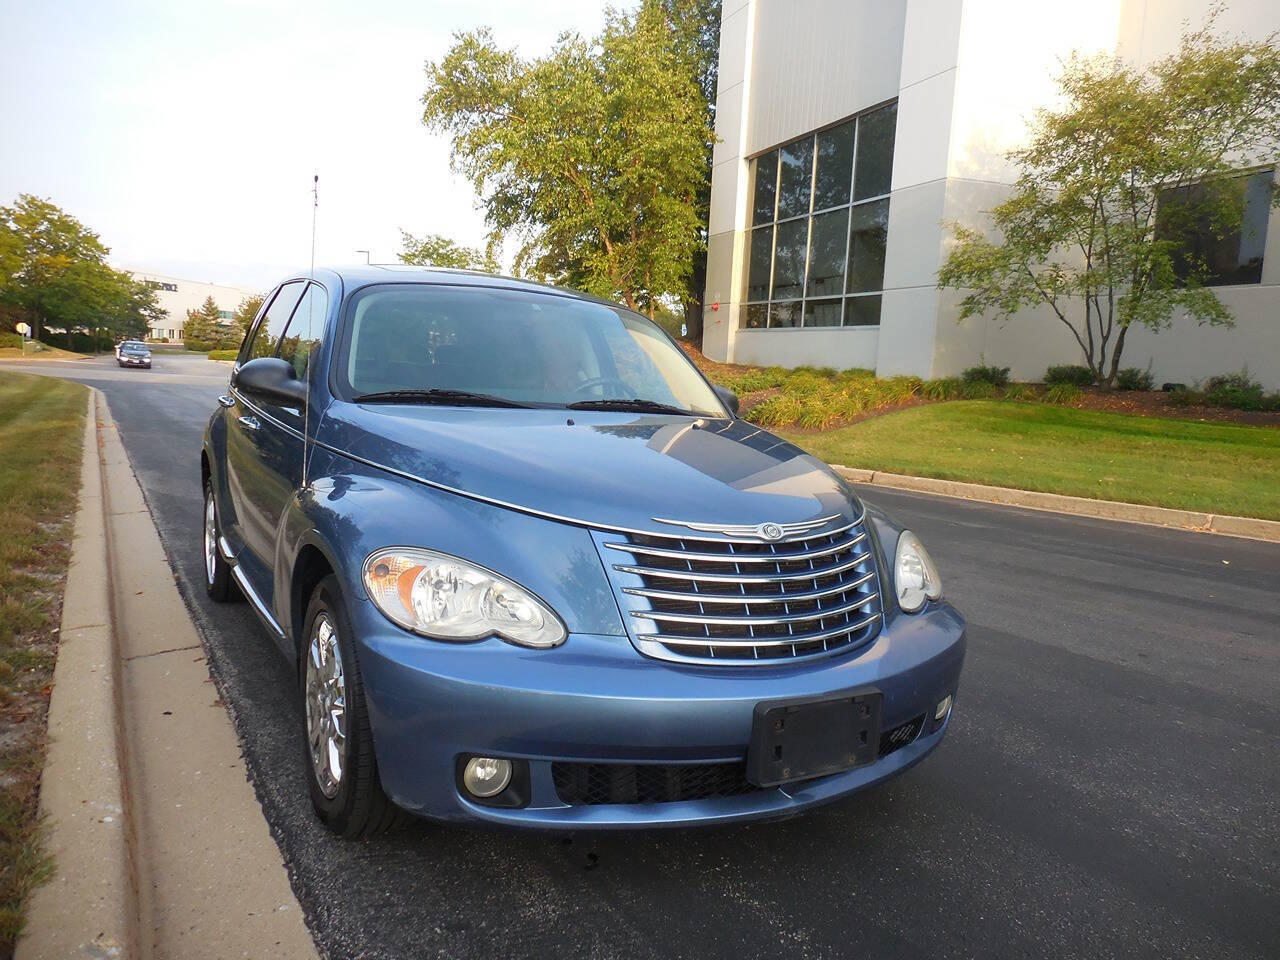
(217, 572)
(337, 744)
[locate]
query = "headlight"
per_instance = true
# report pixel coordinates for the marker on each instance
(445, 598)
(914, 575)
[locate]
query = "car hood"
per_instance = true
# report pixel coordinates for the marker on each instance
(619, 470)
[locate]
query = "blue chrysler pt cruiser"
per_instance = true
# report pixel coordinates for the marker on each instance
(533, 570)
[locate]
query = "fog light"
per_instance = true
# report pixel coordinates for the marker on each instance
(944, 707)
(486, 776)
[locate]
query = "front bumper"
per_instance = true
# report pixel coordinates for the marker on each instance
(595, 699)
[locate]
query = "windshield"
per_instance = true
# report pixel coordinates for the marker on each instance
(529, 348)
(133, 348)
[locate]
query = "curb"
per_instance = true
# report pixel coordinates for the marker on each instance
(1248, 527)
(161, 847)
(89, 906)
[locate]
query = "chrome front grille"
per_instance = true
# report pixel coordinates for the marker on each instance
(740, 601)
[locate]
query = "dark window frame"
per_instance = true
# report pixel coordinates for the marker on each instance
(756, 309)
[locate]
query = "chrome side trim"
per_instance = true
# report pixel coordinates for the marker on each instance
(255, 601)
(494, 501)
(262, 413)
(225, 549)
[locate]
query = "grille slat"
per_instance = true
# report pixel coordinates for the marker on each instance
(733, 577)
(729, 556)
(794, 638)
(788, 617)
(742, 597)
(734, 602)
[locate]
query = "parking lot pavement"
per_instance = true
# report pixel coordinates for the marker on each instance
(1109, 786)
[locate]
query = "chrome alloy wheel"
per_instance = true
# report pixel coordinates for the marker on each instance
(326, 706)
(210, 539)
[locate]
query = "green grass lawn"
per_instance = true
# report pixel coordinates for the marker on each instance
(1216, 468)
(41, 424)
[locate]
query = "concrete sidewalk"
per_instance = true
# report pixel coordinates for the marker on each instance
(161, 847)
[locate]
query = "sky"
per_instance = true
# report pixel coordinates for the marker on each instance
(187, 133)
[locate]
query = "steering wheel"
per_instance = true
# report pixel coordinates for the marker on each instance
(595, 382)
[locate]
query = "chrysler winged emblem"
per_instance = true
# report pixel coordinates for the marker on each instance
(769, 532)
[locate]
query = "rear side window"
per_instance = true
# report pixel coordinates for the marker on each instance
(305, 329)
(266, 338)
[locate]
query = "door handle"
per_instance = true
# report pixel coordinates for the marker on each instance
(250, 423)
(227, 401)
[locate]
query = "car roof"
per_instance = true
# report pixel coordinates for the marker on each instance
(354, 277)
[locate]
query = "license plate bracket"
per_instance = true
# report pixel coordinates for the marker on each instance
(807, 737)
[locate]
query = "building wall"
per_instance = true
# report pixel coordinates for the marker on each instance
(968, 75)
(187, 295)
(787, 67)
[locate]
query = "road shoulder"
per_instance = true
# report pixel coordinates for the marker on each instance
(161, 846)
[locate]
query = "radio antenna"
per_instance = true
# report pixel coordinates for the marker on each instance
(315, 205)
(311, 275)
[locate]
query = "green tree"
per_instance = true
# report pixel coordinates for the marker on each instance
(204, 324)
(41, 243)
(696, 25)
(246, 312)
(436, 250)
(1079, 231)
(591, 157)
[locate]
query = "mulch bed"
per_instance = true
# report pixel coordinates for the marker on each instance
(1156, 404)
(1133, 402)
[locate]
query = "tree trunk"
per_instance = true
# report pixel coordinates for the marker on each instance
(693, 299)
(1115, 357)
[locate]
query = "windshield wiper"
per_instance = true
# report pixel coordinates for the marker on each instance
(460, 398)
(636, 403)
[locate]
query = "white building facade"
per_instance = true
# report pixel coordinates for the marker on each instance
(852, 133)
(177, 295)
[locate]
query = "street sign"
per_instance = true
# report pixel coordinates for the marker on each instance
(24, 329)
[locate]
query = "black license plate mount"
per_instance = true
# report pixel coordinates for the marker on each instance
(807, 737)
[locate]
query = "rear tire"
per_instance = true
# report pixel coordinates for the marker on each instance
(337, 743)
(217, 572)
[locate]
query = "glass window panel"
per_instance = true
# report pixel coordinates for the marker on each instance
(822, 313)
(826, 254)
(766, 189)
(795, 179)
(788, 259)
(785, 314)
(305, 329)
(272, 326)
(1203, 250)
(757, 315)
(868, 229)
(758, 270)
(874, 169)
(835, 167)
(862, 311)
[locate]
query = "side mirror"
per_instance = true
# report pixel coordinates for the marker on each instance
(728, 397)
(271, 379)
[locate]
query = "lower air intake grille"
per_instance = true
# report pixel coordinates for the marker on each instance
(900, 736)
(597, 783)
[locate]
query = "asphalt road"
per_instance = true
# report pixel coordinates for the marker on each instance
(1110, 786)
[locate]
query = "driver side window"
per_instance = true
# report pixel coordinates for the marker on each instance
(266, 339)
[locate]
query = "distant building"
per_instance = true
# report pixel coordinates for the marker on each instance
(176, 296)
(851, 132)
